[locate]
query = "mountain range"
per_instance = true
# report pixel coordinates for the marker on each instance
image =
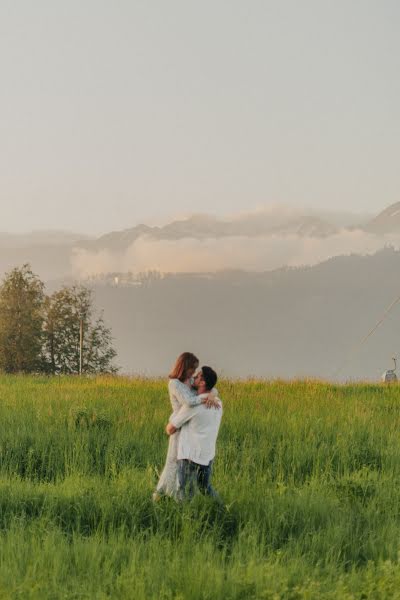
(252, 225)
(285, 322)
(204, 227)
(51, 252)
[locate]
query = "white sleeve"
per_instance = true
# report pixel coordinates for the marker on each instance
(184, 415)
(184, 395)
(214, 391)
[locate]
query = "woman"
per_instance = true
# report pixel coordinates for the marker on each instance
(180, 393)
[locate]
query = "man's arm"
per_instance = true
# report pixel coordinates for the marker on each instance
(211, 399)
(184, 414)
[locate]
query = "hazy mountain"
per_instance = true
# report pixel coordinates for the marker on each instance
(40, 238)
(282, 323)
(306, 227)
(205, 227)
(260, 240)
(388, 221)
(49, 252)
(285, 323)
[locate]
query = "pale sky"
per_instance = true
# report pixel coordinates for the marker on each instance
(113, 113)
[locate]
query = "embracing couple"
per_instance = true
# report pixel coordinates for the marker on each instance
(192, 429)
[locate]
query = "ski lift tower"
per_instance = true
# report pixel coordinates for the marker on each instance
(390, 376)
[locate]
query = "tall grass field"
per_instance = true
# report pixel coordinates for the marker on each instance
(309, 474)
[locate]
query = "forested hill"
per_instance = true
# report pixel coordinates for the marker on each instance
(284, 323)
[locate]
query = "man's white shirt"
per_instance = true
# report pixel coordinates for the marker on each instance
(199, 427)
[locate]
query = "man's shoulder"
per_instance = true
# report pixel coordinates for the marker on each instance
(203, 408)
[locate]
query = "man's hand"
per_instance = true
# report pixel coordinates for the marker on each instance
(170, 429)
(212, 401)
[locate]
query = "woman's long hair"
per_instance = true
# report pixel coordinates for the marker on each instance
(184, 363)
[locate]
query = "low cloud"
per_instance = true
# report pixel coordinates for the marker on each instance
(216, 254)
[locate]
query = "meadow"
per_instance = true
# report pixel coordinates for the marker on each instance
(309, 474)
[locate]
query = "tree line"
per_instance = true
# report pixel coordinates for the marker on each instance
(42, 333)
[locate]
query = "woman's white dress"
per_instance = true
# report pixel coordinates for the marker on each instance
(180, 395)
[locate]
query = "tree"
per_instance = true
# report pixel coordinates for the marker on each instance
(21, 321)
(64, 311)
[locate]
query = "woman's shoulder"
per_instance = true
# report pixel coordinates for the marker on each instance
(173, 383)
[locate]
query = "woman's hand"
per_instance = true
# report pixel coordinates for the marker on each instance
(170, 429)
(212, 401)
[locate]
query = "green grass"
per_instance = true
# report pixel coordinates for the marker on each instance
(309, 474)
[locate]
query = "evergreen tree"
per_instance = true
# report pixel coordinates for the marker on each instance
(21, 321)
(65, 309)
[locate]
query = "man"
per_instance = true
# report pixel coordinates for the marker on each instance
(199, 427)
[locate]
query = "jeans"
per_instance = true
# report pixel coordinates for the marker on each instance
(191, 474)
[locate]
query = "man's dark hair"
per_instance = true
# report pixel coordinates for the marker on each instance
(210, 377)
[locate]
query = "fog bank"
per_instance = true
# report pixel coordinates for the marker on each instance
(236, 252)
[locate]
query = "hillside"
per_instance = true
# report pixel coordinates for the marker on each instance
(285, 323)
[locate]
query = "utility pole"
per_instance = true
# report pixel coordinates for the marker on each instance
(80, 346)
